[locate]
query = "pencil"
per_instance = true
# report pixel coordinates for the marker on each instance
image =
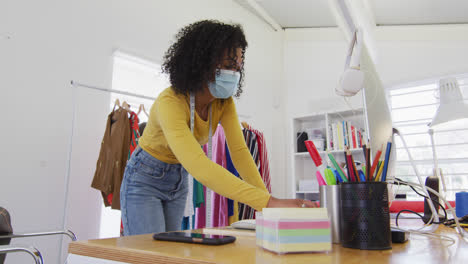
(378, 169)
(355, 172)
(368, 164)
(379, 173)
(364, 150)
(387, 159)
(376, 161)
(348, 166)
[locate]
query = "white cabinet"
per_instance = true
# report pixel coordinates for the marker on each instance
(338, 130)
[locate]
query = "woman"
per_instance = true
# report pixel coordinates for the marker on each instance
(206, 68)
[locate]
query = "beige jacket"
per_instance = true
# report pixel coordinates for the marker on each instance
(113, 157)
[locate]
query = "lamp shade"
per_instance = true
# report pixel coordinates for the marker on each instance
(452, 106)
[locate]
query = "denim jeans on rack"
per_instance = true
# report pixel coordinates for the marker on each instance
(152, 195)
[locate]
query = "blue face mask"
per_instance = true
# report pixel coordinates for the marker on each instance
(225, 84)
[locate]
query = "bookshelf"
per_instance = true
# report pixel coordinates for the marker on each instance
(320, 125)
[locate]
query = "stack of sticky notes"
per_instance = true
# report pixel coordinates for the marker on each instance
(287, 230)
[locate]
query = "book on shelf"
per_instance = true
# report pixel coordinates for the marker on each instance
(353, 136)
(345, 134)
(341, 142)
(350, 134)
(334, 137)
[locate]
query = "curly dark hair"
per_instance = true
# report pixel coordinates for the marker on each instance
(192, 60)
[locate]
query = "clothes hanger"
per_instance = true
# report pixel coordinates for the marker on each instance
(142, 108)
(245, 125)
(117, 103)
(126, 106)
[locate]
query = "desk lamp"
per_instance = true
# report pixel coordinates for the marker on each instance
(451, 108)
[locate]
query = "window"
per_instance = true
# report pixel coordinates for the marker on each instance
(133, 75)
(413, 106)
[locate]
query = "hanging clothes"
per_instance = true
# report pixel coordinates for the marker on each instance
(219, 203)
(141, 128)
(233, 207)
(225, 211)
(219, 207)
(200, 212)
(245, 211)
(135, 135)
(263, 158)
(113, 156)
(257, 147)
(198, 200)
(134, 120)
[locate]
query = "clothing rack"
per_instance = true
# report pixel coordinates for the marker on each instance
(76, 84)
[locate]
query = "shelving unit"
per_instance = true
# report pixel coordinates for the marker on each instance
(302, 166)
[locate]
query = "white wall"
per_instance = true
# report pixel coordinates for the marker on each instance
(53, 42)
(313, 62)
(36, 124)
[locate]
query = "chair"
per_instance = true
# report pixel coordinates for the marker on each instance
(6, 234)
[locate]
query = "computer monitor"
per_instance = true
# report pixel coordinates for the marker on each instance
(378, 113)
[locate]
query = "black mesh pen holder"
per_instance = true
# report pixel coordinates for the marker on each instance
(365, 217)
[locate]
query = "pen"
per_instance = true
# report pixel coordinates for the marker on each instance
(361, 176)
(329, 177)
(320, 179)
(338, 168)
(387, 159)
(315, 155)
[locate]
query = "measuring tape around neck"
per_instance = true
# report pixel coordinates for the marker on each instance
(208, 212)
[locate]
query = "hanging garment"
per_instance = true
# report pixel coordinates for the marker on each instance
(251, 141)
(189, 206)
(263, 159)
(200, 212)
(141, 128)
(134, 120)
(135, 135)
(233, 207)
(245, 211)
(219, 203)
(113, 155)
(257, 147)
(198, 198)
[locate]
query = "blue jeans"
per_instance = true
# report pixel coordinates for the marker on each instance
(152, 195)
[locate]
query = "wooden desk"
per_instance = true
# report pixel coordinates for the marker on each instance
(143, 249)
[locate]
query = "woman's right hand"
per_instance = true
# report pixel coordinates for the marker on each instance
(275, 202)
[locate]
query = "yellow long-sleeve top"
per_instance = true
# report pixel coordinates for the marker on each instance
(168, 138)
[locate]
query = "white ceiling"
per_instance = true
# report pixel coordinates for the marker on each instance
(317, 13)
(420, 12)
(299, 13)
